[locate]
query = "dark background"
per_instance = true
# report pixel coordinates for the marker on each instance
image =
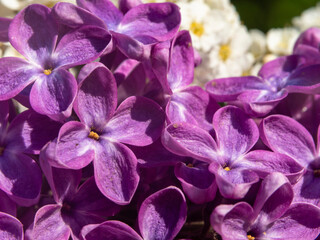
(266, 14)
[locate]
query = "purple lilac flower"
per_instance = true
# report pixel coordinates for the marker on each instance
(271, 217)
(286, 136)
(34, 33)
(161, 217)
(103, 131)
(235, 168)
(10, 227)
(134, 32)
(173, 65)
(75, 206)
(259, 95)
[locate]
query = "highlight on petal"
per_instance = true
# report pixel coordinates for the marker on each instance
(115, 171)
(137, 121)
(10, 227)
(54, 94)
(162, 214)
(96, 101)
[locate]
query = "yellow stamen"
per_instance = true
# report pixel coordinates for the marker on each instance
(47, 71)
(94, 135)
(250, 237)
(224, 52)
(227, 168)
(175, 125)
(197, 28)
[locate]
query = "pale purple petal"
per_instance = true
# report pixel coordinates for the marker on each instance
(149, 23)
(115, 171)
(69, 14)
(162, 215)
(30, 131)
(105, 10)
(97, 96)
(48, 224)
(10, 227)
(310, 37)
(266, 162)
(20, 178)
(83, 45)
(126, 5)
(189, 140)
(15, 75)
(33, 33)
(138, 121)
(4, 27)
(114, 230)
(236, 132)
(284, 135)
(181, 61)
(301, 221)
(54, 94)
(273, 199)
(197, 182)
(74, 148)
(228, 89)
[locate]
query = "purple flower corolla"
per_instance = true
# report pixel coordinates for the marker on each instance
(134, 32)
(235, 168)
(10, 227)
(75, 206)
(4, 27)
(161, 216)
(34, 34)
(20, 176)
(103, 131)
(173, 65)
(286, 136)
(271, 217)
(259, 95)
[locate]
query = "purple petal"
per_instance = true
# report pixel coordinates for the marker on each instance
(152, 22)
(162, 215)
(4, 27)
(103, 9)
(234, 183)
(97, 97)
(301, 221)
(192, 105)
(310, 37)
(4, 115)
(236, 132)
(74, 17)
(7, 205)
(273, 199)
(48, 224)
(115, 171)
(114, 230)
(284, 135)
(33, 33)
(74, 148)
(181, 61)
(126, 5)
(189, 140)
(15, 75)
(138, 121)
(124, 70)
(30, 131)
(10, 227)
(81, 46)
(266, 162)
(20, 178)
(54, 94)
(197, 182)
(305, 80)
(228, 89)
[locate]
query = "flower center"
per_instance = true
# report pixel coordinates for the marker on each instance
(250, 237)
(1, 150)
(94, 135)
(197, 28)
(224, 52)
(190, 165)
(227, 168)
(316, 173)
(47, 71)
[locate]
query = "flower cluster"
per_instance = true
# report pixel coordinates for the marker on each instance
(116, 142)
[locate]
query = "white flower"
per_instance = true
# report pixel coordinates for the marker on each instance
(20, 4)
(280, 41)
(259, 44)
(309, 18)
